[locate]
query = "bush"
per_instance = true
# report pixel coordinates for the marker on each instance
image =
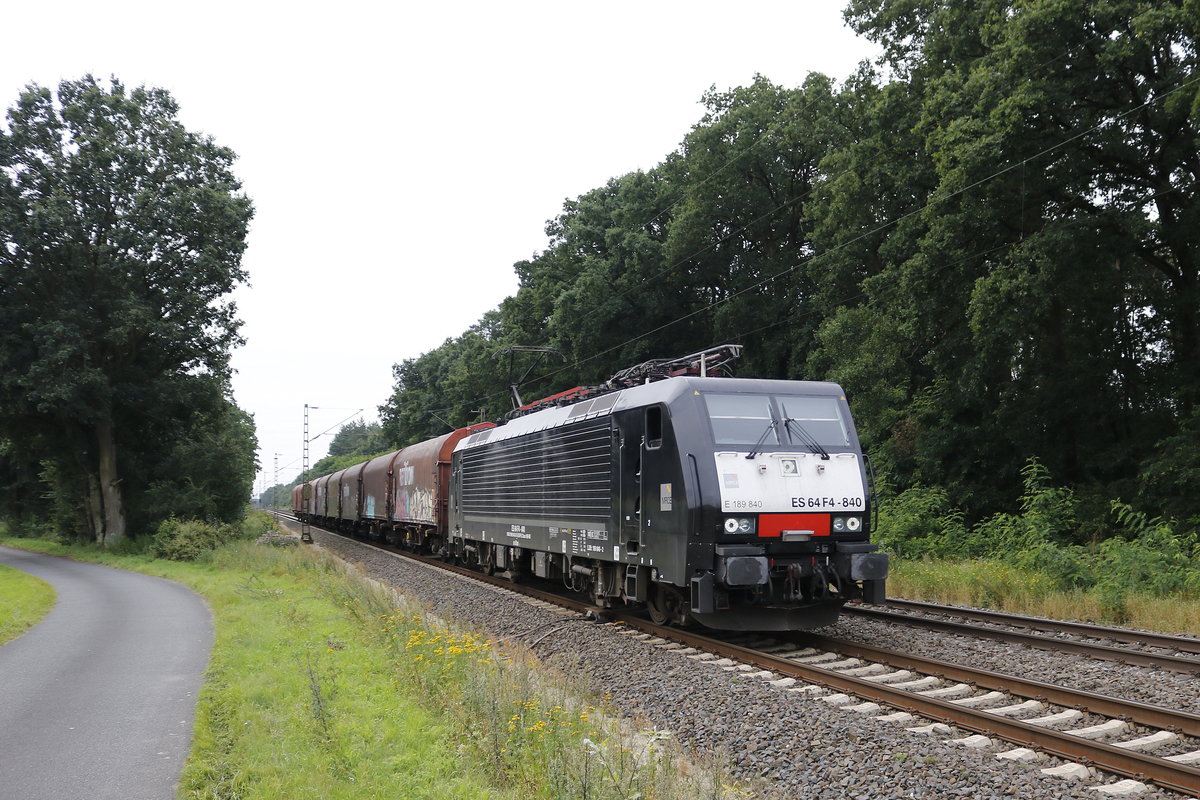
(33, 527)
(188, 539)
(1066, 567)
(191, 539)
(921, 522)
(256, 524)
(1155, 558)
(1141, 555)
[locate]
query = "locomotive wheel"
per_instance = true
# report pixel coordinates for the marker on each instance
(666, 605)
(487, 560)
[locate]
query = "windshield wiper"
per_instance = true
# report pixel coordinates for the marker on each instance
(806, 438)
(761, 439)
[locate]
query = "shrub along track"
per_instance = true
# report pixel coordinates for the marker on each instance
(918, 696)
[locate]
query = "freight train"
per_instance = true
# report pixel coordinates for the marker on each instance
(734, 503)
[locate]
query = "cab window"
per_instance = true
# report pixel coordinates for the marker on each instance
(820, 417)
(741, 419)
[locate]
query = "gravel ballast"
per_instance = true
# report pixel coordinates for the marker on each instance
(1154, 686)
(803, 746)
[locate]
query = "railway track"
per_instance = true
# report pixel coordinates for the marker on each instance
(984, 703)
(1035, 717)
(1186, 644)
(1124, 655)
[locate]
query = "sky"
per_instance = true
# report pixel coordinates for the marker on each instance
(402, 157)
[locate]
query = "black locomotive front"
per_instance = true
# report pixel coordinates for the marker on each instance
(737, 503)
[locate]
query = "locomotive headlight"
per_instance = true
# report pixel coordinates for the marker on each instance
(739, 525)
(844, 524)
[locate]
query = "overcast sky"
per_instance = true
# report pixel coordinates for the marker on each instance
(402, 158)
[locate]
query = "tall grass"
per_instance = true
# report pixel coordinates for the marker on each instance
(301, 702)
(1000, 585)
(523, 723)
(1145, 572)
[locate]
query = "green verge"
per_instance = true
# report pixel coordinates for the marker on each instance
(1123, 567)
(299, 701)
(999, 585)
(324, 685)
(24, 600)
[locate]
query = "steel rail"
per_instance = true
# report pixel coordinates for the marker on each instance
(1186, 644)
(503, 583)
(1110, 758)
(1101, 651)
(1104, 705)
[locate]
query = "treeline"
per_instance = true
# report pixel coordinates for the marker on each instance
(991, 240)
(121, 235)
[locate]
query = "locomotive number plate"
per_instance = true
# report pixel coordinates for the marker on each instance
(782, 483)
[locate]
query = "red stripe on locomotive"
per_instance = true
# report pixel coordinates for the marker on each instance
(773, 525)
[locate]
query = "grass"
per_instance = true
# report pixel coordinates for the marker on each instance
(994, 584)
(323, 684)
(24, 600)
(301, 702)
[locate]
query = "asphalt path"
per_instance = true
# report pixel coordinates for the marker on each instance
(97, 700)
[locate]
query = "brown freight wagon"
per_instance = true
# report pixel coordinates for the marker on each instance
(350, 498)
(320, 511)
(376, 482)
(311, 510)
(333, 499)
(404, 496)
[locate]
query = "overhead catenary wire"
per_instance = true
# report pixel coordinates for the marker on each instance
(336, 425)
(882, 226)
(775, 129)
(878, 228)
(950, 265)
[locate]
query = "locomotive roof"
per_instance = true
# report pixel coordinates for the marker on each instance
(658, 392)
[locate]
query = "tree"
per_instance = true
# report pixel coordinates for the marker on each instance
(609, 243)
(1051, 298)
(996, 250)
(204, 468)
(739, 233)
(358, 438)
(120, 234)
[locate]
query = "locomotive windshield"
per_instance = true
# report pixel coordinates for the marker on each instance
(742, 419)
(763, 419)
(820, 417)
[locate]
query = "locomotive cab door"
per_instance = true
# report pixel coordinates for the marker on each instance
(630, 433)
(662, 530)
(657, 495)
(651, 484)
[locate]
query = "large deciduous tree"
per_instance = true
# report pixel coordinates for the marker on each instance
(991, 240)
(121, 233)
(1052, 294)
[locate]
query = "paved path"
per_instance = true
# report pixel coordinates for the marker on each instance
(97, 700)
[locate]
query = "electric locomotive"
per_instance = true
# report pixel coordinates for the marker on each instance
(735, 503)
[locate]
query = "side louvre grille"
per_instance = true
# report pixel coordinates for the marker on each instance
(561, 473)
